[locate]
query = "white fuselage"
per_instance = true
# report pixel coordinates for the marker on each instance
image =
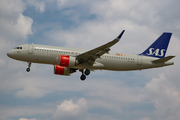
(112, 61)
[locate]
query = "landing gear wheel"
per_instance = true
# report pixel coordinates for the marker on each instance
(83, 77)
(87, 72)
(29, 65)
(28, 69)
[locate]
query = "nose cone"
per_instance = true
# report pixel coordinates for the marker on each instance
(10, 53)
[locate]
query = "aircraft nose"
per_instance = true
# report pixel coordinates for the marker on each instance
(10, 54)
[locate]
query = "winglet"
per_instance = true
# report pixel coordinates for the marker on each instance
(120, 35)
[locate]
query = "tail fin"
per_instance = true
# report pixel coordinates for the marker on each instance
(159, 47)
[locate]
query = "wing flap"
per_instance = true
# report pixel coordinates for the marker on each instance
(163, 60)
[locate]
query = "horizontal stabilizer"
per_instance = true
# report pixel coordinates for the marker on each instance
(163, 60)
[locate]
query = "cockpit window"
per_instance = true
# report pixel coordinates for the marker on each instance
(18, 48)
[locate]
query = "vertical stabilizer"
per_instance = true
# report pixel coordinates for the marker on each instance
(159, 47)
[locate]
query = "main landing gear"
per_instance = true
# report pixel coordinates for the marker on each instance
(84, 74)
(29, 65)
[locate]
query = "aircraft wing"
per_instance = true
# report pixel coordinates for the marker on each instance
(93, 54)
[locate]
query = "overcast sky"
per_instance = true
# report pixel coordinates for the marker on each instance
(105, 95)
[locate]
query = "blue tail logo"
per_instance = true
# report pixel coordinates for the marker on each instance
(156, 52)
(159, 47)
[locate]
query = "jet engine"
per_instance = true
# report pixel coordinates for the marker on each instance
(67, 61)
(60, 70)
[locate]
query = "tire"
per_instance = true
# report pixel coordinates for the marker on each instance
(83, 77)
(28, 69)
(87, 72)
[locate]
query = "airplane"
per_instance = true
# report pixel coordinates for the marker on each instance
(68, 60)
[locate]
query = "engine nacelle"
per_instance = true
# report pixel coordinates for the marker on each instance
(60, 70)
(67, 61)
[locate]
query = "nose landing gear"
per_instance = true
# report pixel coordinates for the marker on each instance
(29, 65)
